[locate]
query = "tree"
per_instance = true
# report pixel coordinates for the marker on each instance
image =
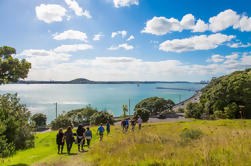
(61, 121)
(193, 110)
(39, 119)
(12, 69)
(101, 117)
(15, 130)
(82, 115)
(125, 109)
(155, 105)
(227, 94)
(143, 113)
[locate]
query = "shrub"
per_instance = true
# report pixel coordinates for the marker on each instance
(143, 113)
(82, 115)
(61, 121)
(181, 110)
(155, 105)
(193, 110)
(39, 119)
(101, 117)
(15, 130)
(190, 134)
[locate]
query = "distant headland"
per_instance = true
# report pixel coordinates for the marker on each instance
(86, 81)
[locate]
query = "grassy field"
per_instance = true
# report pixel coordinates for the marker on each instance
(222, 142)
(45, 151)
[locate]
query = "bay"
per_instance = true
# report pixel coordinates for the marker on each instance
(41, 98)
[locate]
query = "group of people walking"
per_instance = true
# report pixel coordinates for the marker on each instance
(81, 134)
(85, 135)
(126, 123)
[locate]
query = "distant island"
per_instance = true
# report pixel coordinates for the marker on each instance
(86, 81)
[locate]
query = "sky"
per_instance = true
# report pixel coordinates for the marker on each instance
(134, 40)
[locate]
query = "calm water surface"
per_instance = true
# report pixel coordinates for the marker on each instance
(41, 98)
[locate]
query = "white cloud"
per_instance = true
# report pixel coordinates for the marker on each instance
(130, 38)
(161, 26)
(202, 42)
(125, 3)
(73, 48)
(77, 9)
(122, 33)
(200, 26)
(44, 58)
(216, 58)
(128, 68)
(244, 24)
(238, 45)
(124, 46)
(97, 36)
(187, 21)
(50, 13)
(87, 14)
(223, 20)
(71, 34)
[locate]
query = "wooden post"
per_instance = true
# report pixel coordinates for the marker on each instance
(56, 109)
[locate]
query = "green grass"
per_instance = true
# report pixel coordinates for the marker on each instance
(209, 143)
(222, 142)
(45, 151)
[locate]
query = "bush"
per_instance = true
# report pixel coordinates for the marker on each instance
(82, 115)
(61, 121)
(15, 130)
(193, 110)
(181, 110)
(155, 105)
(101, 117)
(39, 119)
(190, 134)
(143, 113)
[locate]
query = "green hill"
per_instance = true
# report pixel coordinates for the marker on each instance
(221, 142)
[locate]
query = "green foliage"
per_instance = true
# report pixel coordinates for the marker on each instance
(190, 134)
(12, 69)
(101, 117)
(143, 113)
(81, 115)
(155, 105)
(181, 110)
(193, 110)
(62, 121)
(39, 119)
(15, 130)
(227, 94)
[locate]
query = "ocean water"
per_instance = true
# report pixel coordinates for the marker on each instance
(41, 98)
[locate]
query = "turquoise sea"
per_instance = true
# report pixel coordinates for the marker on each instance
(41, 98)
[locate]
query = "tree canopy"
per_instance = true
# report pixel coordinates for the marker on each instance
(39, 119)
(227, 96)
(12, 69)
(155, 105)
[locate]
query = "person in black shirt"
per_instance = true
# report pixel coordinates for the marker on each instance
(69, 137)
(60, 140)
(81, 137)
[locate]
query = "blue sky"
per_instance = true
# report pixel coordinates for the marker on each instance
(135, 39)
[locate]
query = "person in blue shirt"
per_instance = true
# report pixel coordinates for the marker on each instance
(108, 127)
(127, 124)
(101, 131)
(88, 136)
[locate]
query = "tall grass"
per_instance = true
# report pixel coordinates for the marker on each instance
(223, 142)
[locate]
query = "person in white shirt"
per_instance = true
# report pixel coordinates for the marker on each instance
(140, 122)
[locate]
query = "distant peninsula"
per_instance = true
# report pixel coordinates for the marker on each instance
(86, 81)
